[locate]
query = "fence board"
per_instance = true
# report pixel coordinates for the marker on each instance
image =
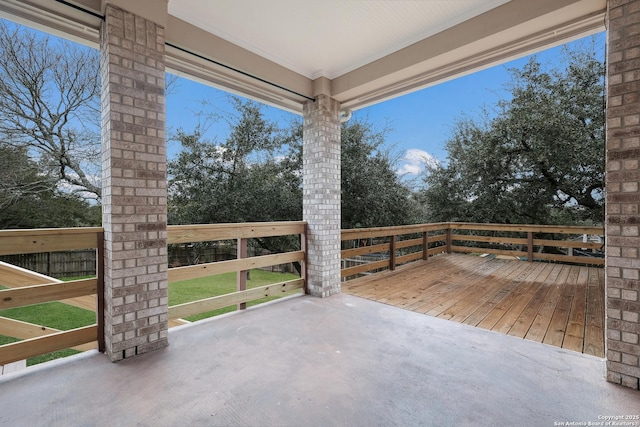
(408, 243)
(408, 258)
(567, 244)
(489, 239)
(471, 249)
(352, 271)
(47, 240)
(58, 341)
(24, 330)
(211, 232)
(16, 277)
(560, 229)
(366, 233)
(57, 264)
(214, 303)
(438, 238)
(364, 250)
(48, 292)
(570, 259)
(210, 269)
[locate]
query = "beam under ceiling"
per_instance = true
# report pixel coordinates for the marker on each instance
(514, 29)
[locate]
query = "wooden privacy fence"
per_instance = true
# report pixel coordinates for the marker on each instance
(57, 264)
(22, 292)
(374, 249)
(241, 233)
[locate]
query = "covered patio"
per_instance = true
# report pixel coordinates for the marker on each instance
(295, 350)
(341, 360)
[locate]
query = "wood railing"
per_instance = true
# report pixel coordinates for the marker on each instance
(241, 233)
(27, 288)
(388, 247)
(393, 246)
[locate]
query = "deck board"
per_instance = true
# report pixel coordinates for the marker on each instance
(541, 323)
(594, 317)
(558, 326)
(509, 302)
(527, 292)
(486, 290)
(557, 304)
(497, 297)
(527, 317)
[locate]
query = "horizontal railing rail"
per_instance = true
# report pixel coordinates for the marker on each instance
(363, 251)
(369, 250)
(395, 246)
(28, 288)
(531, 237)
(241, 233)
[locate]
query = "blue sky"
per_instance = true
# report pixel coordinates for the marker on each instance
(420, 123)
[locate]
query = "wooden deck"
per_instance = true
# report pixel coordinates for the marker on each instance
(557, 304)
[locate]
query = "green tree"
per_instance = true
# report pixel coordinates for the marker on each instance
(254, 175)
(373, 194)
(50, 105)
(20, 176)
(30, 198)
(540, 160)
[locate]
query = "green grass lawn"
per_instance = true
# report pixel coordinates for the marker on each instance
(64, 317)
(54, 315)
(206, 287)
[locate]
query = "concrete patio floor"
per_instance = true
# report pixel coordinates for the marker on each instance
(306, 361)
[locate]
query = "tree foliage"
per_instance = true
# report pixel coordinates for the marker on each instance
(248, 177)
(253, 176)
(540, 160)
(256, 175)
(20, 177)
(373, 194)
(30, 199)
(49, 104)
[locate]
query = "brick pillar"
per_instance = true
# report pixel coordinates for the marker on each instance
(133, 183)
(623, 194)
(321, 194)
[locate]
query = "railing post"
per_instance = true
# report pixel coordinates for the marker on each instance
(392, 253)
(448, 237)
(425, 246)
(530, 246)
(242, 274)
(303, 266)
(100, 291)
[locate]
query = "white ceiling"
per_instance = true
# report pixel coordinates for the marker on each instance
(359, 52)
(326, 38)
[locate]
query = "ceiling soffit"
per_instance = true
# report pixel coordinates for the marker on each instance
(330, 37)
(506, 31)
(512, 30)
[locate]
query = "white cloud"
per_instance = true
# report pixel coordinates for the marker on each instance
(414, 161)
(409, 169)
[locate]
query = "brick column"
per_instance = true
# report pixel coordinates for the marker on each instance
(623, 194)
(321, 194)
(133, 183)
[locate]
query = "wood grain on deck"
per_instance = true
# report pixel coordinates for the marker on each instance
(556, 304)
